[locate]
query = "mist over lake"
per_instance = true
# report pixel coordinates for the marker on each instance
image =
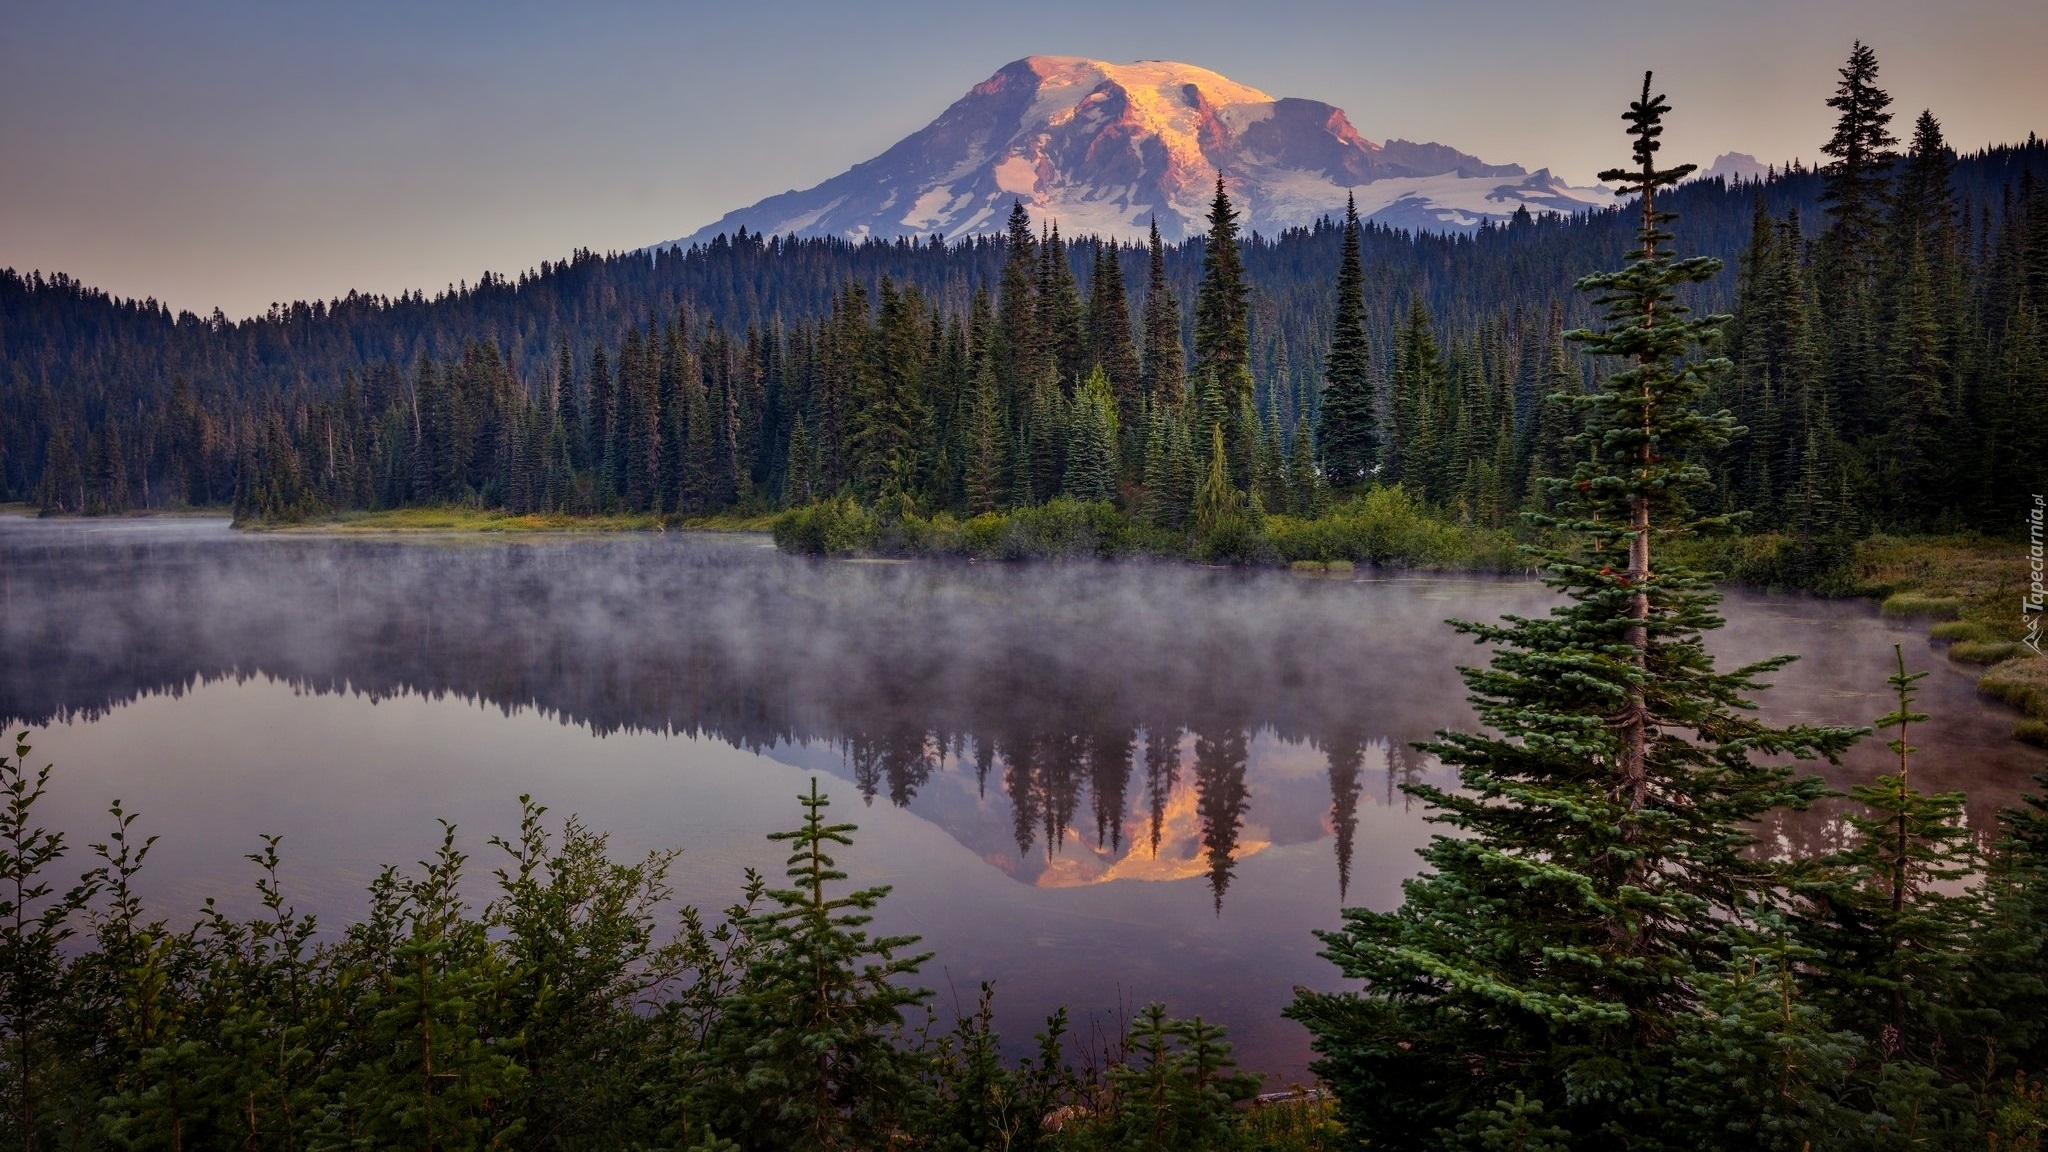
(1094, 784)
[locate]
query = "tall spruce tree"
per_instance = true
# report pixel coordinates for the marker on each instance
(1858, 177)
(1222, 329)
(1847, 259)
(1346, 434)
(1417, 387)
(1020, 348)
(1165, 365)
(1110, 344)
(988, 445)
(1091, 466)
(1600, 838)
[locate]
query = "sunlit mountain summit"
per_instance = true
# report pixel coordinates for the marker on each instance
(1105, 148)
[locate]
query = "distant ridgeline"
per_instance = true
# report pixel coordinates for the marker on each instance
(1888, 341)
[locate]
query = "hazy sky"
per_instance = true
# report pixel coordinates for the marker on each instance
(234, 154)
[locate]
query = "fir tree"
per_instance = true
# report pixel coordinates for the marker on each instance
(1346, 432)
(1020, 348)
(602, 414)
(1222, 329)
(1178, 1091)
(1091, 467)
(35, 924)
(804, 1052)
(1417, 390)
(1060, 312)
(1308, 495)
(1223, 526)
(1858, 176)
(988, 447)
(1611, 811)
(1891, 933)
(1048, 439)
(63, 484)
(1110, 343)
(1165, 365)
(798, 488)
(1858, 181)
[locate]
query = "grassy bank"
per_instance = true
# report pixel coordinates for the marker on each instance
(459, 519)
(195, 512)
(1966, 588)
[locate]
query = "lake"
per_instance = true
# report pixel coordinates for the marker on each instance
(1095, 785)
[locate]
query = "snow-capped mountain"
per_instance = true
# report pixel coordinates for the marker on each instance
(1104, 148)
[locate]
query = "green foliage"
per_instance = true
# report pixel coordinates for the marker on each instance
(1760, 1065)
(579, 1009)
(1092, 435)
(1348, 419)
(837, 527)
(806, 1052)
(35, 923)
(981, 1102)
(1910, 604)
(1177, 1091)
(1599, 839)
(1388, 527)
(1225, 528)
(1222, 329)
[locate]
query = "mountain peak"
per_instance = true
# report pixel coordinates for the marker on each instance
(1105, 148)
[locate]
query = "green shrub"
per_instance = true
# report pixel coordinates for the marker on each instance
(838, 527)
(982, 536)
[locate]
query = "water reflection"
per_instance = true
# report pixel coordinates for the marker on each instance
(1089, 783)
(1053, 686)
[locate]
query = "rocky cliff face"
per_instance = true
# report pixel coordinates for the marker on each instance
(1106, 148)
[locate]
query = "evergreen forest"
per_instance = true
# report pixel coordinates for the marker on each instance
(1887, 345)
(1602, 950)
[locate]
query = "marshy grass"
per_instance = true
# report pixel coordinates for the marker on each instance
(1304, 1124)
(1986, 652)
(1915, 604)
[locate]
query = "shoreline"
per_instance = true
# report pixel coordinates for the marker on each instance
(1962, 588)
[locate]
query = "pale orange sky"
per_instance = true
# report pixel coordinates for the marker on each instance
(233, 154)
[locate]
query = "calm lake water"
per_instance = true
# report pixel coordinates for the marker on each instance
(1094, 785)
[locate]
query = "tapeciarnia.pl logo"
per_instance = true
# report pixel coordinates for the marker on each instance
(2037, 594)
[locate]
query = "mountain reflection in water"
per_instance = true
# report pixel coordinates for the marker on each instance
(1077, 728)
(1113, 708)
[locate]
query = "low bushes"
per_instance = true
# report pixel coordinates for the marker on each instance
(1384, 527)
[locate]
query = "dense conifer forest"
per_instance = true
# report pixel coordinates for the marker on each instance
(1889, 360)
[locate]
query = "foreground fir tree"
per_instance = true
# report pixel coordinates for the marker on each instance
(1599, 843)
(807, 1051)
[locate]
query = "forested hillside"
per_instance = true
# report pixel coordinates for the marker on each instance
(1887, 332)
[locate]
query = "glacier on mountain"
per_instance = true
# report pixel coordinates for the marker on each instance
(1106, 149)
